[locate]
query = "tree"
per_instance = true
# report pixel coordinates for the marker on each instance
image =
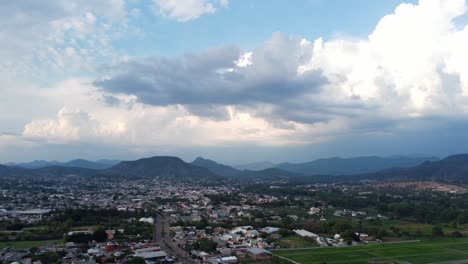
(382, 233)
(437, 231)
(205, 244)
(79, 238)
(15, 226)
(137, 260)
(99, 236)
(350, 236)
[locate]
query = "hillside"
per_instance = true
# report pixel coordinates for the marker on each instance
(61, 171)
(82, 163)
(51, 171)
(217, 168)
(7, 171)
(271, 174)
(451, 168)
(256, 166)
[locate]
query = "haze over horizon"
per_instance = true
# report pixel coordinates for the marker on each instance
(233, 81)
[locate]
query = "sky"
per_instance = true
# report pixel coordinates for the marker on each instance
(236, 81)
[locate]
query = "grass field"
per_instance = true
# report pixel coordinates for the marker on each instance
(427, 251)
(88, 227)
(28, 244)
(295, 241)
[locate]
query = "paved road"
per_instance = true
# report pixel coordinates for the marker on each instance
(161, 235)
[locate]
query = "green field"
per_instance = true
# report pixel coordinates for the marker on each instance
(81, 228)
(427, 251)
(28, 244)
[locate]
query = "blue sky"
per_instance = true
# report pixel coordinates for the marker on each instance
(249, 23)
(235, 81)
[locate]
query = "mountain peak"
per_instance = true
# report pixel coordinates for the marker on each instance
(200, 159)
(166, 167)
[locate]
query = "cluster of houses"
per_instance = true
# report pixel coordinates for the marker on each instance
(72, 253)
(335, 241)
(349, 213)
(32, 216)
(230, 243)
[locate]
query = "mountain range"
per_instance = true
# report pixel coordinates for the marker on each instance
(349, 166)
(79, 163)
(452, 168)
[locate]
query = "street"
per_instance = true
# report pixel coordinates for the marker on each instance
(162, 236)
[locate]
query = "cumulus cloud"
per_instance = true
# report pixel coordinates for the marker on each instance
(56, 35)
(138, 124)
(187, 10)
(72, 125)
(403, 63)
(412, 66)
(222, 76)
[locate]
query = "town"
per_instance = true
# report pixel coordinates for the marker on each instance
(88, 220)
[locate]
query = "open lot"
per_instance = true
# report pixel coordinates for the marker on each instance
(295, 241)
(427, 251)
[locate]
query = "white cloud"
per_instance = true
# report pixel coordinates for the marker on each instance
(401, 67)
(15, 141)
(410, 73)
(186, 10)
(412, 66)
(133, 123)
(57, 36)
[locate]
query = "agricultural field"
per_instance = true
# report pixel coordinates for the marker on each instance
(29, 244)
(444, 250)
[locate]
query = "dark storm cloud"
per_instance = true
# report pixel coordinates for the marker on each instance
(213, 77)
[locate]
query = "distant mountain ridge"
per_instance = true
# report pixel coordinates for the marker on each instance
(256, 166)
(451, 168)
(50, 171)
(220, 169)
(269, 174)
(349, 166)
(77, 163)
(34, 164)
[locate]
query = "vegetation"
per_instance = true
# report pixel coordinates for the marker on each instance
(431, 250)
(28, 244)
(205, 244)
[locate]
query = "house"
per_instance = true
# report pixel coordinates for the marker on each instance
(152, 255)
(305, 233)
(223, 260)
(259, 253)
(149, 220)
(314, 210)
(270, 230)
